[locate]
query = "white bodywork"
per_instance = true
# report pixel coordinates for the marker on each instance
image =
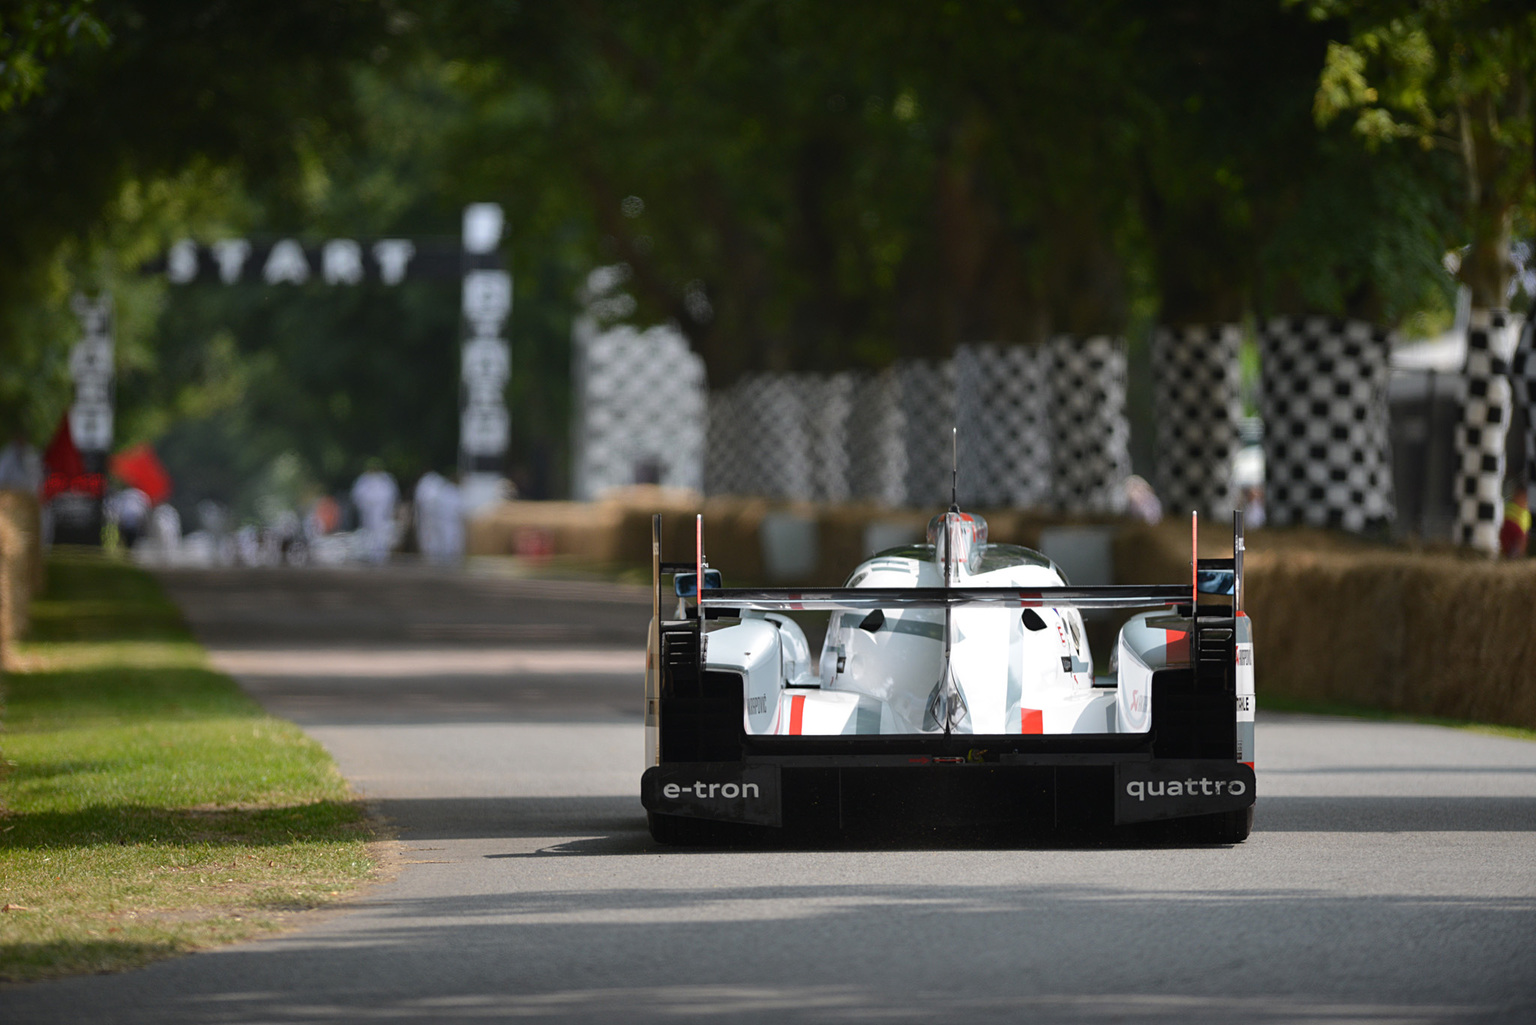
(1015, 671)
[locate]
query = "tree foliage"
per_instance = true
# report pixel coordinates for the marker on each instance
(163, 90)
(1457, 75)
(798, 185)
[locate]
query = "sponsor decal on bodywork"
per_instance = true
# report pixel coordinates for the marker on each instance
(723, 791)
(1169, 789)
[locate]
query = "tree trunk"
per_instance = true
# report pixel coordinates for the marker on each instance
(1492, 185)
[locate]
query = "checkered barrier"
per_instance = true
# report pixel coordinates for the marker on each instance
(886, 437)
(1522, 375)
(1089, 431)
(1002, 408)
(781, 436)
(1039, 426)
(1323, 399)
(1486, 411)
(641, 408)
(927, 404)
(1196, 394)
(831, 415)
(727, 455)
(876, 439)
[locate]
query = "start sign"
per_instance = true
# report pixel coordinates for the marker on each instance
(474, 258)
(340, 261)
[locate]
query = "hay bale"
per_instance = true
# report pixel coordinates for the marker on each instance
(22, 511)
(15, 585)
(1414, 632)
(21, 562)
(583, 530)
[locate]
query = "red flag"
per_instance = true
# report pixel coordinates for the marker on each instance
(64, 469)
(139, 467)
(61, 456)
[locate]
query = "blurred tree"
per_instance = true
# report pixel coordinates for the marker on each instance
(798, 185)
(33, 33)
(1457, 75)
(161, 89)
(815, 186)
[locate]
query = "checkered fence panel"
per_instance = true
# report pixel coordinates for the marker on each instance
(877, 460)
(1324, 403)
(1196, 392)
(830, 414)
(927, 404)
(1089, 430)
(886, 437)
(728, 468)
(1002, 410)
(782, 436)
(641, 407)
(1486, 411)
(1522, 376)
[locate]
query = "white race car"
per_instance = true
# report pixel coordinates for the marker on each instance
(955, 688)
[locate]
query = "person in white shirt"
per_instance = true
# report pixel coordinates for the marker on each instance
(439, 519)
(21, 468)
(375, 494)
(425, 495)
(447, 524)
(129, 509)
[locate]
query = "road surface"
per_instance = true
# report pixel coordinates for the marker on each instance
(1391, 876)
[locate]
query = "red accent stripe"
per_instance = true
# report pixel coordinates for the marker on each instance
(796, 714)
(1031, 720)
(1194, 556)
(1249, 764)
(1178, 645)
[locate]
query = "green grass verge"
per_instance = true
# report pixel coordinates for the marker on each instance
(147, 806)
(1274, 703)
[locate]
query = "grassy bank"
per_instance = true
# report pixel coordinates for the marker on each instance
(147, 806)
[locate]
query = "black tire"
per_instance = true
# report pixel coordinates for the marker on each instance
(1228, 827)
(676, 831)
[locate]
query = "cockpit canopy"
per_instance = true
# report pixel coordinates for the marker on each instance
(965, 536)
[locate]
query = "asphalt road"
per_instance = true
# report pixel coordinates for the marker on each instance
(1391, 877)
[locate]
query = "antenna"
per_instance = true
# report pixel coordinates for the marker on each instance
(954, 469)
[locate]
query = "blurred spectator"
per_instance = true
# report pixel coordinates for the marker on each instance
(286, 536)
(424, 496)
(213, 517)
(129, 509)
(1515, 533)
(1141, 501)
(165, 527)
(1253, 507)
(375, 494)
(439, 519)
(248, 545)
(446, 530)
(21, 468)
(323, 518)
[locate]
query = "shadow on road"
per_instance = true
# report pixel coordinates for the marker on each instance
(769, 953)
(616, 825)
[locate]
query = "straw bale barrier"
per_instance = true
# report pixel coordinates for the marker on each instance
(21, 563)
(616, 530)
(1414, 632)
(1337, 619)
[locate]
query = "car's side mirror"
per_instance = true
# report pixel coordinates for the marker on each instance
(1217, 581)
(687, 584)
